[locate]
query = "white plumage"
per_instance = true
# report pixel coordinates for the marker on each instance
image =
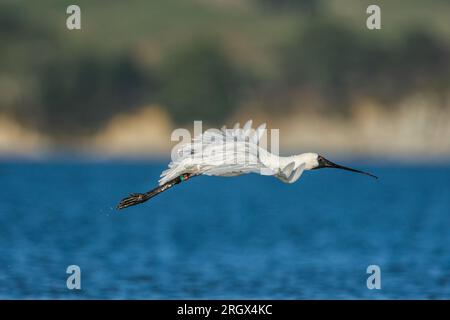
(231, 152)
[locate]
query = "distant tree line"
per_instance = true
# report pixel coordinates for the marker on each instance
(338, 64)
(79, 92)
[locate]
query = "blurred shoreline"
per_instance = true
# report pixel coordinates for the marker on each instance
(413, 132)
(119, 86)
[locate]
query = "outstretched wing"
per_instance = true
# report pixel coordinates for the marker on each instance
(224, 152)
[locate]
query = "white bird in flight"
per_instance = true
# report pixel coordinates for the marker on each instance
(232, 152)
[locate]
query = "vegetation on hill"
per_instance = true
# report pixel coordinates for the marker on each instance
(206, 59)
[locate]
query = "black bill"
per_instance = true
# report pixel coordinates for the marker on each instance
(324, 163)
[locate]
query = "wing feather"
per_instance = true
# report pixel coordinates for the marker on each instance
(217, 145)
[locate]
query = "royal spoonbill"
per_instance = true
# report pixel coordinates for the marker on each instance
(232, 152)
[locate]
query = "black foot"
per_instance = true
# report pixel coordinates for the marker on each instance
(133, 199)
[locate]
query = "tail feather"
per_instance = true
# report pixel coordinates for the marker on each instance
(137, 198)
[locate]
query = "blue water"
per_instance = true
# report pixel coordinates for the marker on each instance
(242, 237)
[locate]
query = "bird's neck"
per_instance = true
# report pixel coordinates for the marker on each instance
(275, 162)
(307, 159)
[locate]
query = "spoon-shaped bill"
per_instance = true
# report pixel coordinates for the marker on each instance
(324, 163)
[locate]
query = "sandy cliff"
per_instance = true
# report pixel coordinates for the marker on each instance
(415, 128)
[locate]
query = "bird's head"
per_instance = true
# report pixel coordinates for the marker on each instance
(315, 161)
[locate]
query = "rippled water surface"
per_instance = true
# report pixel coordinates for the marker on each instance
(242, 237)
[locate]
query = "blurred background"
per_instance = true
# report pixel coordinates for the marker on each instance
(312, 68)
(86, 117)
